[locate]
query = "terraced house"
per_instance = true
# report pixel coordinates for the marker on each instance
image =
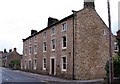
(75, 47)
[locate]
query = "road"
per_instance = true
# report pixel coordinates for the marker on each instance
(14, 76)
(9, 76)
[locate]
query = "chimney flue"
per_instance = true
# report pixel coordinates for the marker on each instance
(89, 3)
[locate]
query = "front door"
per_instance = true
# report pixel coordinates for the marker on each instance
(52, 66)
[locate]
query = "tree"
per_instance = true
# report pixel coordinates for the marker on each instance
(15, 64)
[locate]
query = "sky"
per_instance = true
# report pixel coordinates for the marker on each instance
(19, 17)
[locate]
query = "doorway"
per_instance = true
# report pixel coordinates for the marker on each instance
(52, 66)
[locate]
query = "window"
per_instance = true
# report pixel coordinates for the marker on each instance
(35, 49)
(53, 44)
(104, 32)
(35, 63)
(64, 63)
(25, 51)
(30, 40)
(30, 64)
(44, 46)
(35, 39)
(45, 34)
(116, 46)
(44, 63)
(64, 26)
(64, 42)
(25, 64)
(53, 31)
(30, 50)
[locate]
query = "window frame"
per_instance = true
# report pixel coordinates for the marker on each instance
(62, 64)
(116, 48)
(44, 46)
(35, 64)
(45, 34)
(53, 49)
(63, 42)
(35, 49)
(30, 50)
(52, 31)
(64, 26)
(44, 64)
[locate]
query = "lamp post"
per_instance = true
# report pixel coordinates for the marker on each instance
(110, 46)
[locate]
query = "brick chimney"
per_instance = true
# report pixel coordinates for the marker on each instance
(33, 32)
(52, 21)
(89, 3)
(10, 50)
(15, 49)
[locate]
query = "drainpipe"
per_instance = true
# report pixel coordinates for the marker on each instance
(111, 73)
(73, 72)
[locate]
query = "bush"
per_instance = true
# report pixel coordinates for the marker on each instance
(116, 65)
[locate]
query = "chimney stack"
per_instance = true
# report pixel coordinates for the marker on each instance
(52, 21)
(89, 3)
(15, 49)
(10, 50)
(33, 32)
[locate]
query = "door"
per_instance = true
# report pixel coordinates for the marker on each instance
(52, 66)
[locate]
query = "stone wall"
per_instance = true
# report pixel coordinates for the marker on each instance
(92, 46)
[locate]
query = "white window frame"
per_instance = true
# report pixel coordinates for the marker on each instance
(52, 44)
(44, 68)
(64, 29)
(54, 65)
(116, 47)
(30, 51)
(52, 30)
(44, 46)
(30, 40)
(62, 63)
(66, 42)
(45, 34)
(35, 64)
(35, 38)
(29, 64)
(25, 64)
(35, 49)
(25, 51)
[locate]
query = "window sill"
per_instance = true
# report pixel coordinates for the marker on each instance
(53, 50)
(44, 69)
(64, 48)
(64, 70)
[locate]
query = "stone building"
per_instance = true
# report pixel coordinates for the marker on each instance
(76, 47)
(11, 59)
(1, 54)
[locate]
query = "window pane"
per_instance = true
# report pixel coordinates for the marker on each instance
(44, 46)
(53, 30)
(64, 41)
(64, 26)
(53, 44)
(64, 63)
(45, 34)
